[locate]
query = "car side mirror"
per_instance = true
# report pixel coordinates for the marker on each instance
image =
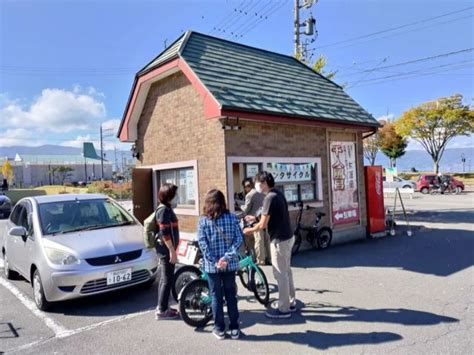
(18, 232)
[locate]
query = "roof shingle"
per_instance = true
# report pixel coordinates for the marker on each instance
(244, 78)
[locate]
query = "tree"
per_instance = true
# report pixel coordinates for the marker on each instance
(319, 65)
(371, 147)
(435, 123)
(63, 172)
(391, 143)
(53, 171)
(7, 171)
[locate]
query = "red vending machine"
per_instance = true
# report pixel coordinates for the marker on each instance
(374, 199)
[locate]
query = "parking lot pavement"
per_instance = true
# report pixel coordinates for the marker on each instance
(395, 294)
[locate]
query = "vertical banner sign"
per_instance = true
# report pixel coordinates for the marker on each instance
(345, 201)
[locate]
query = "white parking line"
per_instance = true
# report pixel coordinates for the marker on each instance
(57, 328)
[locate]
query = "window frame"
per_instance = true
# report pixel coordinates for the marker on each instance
(263, 161)
(191, 211)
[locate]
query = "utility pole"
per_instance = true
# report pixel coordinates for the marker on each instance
(308, 24)
(297, 28)
(115, 159)
(101, 155)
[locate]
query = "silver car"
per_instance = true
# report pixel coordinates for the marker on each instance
(70, 246)
(399, 183)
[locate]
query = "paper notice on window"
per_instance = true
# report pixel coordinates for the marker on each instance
(190, 185)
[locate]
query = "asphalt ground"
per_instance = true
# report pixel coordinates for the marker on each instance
(396, 294)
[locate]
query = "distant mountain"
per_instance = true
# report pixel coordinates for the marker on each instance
(49, 150)
(421, 161)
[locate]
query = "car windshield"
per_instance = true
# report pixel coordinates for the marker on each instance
(70, 216)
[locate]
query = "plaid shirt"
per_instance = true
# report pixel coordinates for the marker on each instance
(214, 245)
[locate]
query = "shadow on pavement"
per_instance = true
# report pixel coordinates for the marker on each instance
(319, 313)
(450, 216)
(440, 252)
(330, 313)
(324, 341)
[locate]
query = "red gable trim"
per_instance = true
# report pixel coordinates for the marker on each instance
(211, 106)
(123, 134)
(293, 120)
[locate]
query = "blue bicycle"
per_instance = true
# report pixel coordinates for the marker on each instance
(192, 289)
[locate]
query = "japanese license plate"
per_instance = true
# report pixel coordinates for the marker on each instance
(119, 276)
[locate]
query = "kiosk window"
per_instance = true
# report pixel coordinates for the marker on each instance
(184, 179)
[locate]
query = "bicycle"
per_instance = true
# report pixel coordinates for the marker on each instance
(187, 273)
(195, 300)
(317, 236)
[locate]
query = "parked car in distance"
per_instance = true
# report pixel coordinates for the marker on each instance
(426, 181)
(5, 206)
(75, 245)
(399, 183)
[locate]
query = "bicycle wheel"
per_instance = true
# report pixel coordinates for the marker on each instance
(182, 277)
(259, 285)
(244, 276)
(195, 303)
(324, 237)
(297, 244)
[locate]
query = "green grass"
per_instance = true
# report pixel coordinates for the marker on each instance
(59, 189)
(16, 195)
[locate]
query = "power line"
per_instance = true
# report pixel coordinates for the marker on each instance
(418, 70)
(242, 16)
(267, 16)
(231, 16)
(419, 60)
(258, 14)
(416, 73)
(395, 28)
(369, 72)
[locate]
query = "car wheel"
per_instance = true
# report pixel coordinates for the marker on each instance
(40, 299)
(424, 190)
(9, 273)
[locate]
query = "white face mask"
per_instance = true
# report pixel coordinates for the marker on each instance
(258, 187)
(174, 201)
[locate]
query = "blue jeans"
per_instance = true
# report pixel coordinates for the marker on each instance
(223, 284)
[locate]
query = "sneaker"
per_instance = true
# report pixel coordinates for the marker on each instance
(277, 314)
(235, 334)
(168, 314)
(218, 334)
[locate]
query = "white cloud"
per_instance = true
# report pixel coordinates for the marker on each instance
(108, 145)
(56, 110)
(77, 143)
(111, 125)
(19, 136)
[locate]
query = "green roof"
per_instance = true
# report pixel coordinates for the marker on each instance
(244, 78)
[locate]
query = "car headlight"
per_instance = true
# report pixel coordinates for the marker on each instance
(61, 257)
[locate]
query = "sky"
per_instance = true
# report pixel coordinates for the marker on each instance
(66, 67)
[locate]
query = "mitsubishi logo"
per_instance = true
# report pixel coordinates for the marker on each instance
(117, 259)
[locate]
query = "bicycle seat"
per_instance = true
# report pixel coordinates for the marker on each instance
(310, 207)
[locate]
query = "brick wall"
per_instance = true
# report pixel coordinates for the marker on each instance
(258, 139)
(266, 139)
(172, 128)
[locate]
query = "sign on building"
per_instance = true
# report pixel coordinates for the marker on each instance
(345, 199)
